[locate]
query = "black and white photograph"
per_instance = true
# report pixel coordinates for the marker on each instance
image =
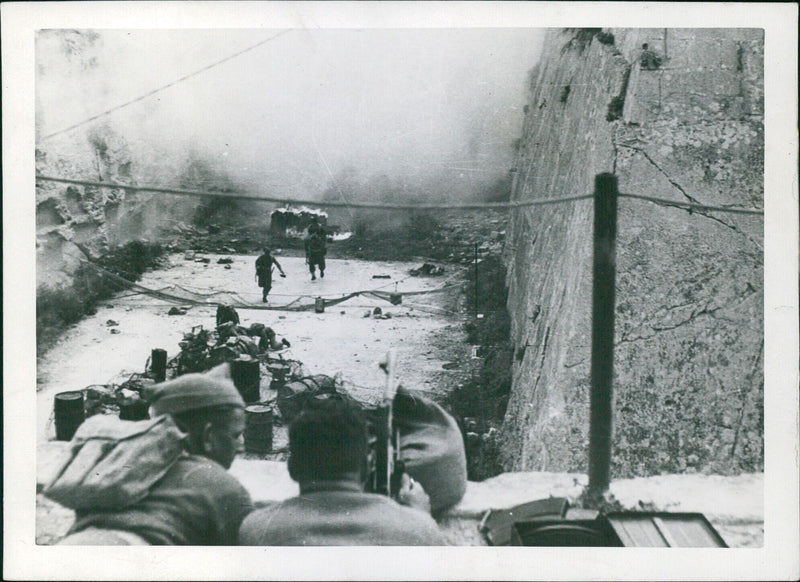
(420, 275)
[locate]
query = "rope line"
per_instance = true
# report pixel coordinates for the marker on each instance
(375, 206)
(296, 201)
(159, 89)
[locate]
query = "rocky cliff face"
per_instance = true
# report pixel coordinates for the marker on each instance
(689, 301)
(73, 220)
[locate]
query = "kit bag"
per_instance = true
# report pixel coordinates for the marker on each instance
(113, 463)
(431, 448)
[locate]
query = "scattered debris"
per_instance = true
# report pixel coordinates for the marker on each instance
(427, 270)
(100, 399)
(450, 365)
(227, 266)
(126, 394)
(225, 261)
(114, 330)
(381, 276)
(176, 311)
(297, 219)
(111, 322)
(205, 260)
(188, 256)
(377, 312)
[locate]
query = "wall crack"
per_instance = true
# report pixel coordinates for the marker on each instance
(690, 198)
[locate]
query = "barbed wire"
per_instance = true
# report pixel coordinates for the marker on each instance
(231, 298)
(383, 206)
(161, 88)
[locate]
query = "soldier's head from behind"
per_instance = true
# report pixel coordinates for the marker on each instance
(207, 407)
(266, 250)
(328, 441)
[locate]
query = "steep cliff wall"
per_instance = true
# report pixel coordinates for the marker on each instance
(72, 85)
(689, 331)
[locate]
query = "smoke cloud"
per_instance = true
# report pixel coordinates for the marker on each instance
(430, 111)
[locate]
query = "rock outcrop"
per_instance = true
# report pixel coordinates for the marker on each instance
(689, 299)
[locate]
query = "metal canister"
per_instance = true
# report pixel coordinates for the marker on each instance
(246, 375)
(69, 414)
(319, 305)
(258, 428)
(278, 373)
(158, 364)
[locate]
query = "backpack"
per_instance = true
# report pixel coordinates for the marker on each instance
(113, 463)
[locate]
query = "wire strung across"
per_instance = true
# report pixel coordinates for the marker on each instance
(375, 206)
(180, 295)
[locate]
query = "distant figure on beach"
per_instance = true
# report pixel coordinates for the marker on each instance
(264, 272)
(316, 249)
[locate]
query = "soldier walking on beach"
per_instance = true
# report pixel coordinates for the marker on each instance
(264, 272)
(316, 249)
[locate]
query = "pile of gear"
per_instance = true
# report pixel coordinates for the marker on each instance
(128, 399)
(203, 349)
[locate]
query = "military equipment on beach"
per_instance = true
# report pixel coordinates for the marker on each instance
(292, 396)
(194, 351)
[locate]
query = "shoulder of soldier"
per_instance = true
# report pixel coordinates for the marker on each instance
(260, 526)
(422, 528)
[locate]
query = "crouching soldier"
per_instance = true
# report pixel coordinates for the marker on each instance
(196, 502)
(328, 455)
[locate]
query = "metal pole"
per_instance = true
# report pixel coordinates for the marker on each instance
(476, 278)
(602, 396)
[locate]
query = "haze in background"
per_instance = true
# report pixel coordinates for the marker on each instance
(435, 110)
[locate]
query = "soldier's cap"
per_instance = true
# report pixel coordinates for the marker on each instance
(192, 392)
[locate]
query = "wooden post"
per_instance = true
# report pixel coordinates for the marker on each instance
(602, 372)
(476, 278)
